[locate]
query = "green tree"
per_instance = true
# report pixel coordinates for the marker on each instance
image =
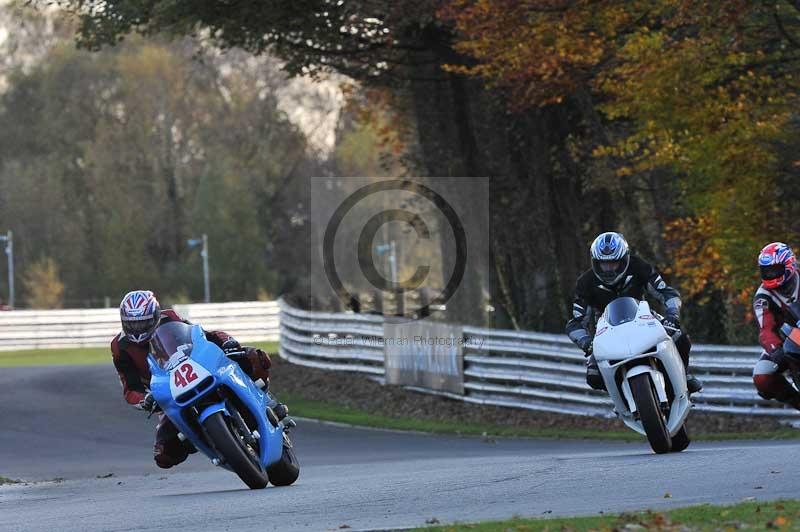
(110, 161)
(462, 128)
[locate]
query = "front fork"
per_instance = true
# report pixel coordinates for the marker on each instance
(657, 379)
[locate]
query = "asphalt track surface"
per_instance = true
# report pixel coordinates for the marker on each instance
(70, 424)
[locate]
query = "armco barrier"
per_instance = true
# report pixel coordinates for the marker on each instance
(531, 370)
(36, 329)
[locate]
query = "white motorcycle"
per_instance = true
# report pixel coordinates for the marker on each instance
(643, 373)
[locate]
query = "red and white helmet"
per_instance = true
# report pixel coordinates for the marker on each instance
(140, 314)
(777, 264)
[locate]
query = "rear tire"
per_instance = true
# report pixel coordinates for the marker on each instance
(287, 469)
(681, 440)
(233, 450)
(650, 414)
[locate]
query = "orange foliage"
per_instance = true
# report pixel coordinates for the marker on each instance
(702, 90)
(698, 263)
(695, 259)
(541, 51)
(381, 108)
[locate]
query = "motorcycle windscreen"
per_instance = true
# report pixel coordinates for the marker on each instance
(621, 310)
(171, 343)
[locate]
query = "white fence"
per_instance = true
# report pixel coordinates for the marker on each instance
(35, 329)
(518, 369)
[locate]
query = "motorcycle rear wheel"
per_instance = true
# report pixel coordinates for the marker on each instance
(650, 414)
(234, 451)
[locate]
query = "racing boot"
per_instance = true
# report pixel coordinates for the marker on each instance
(693, 384)
(279, 409)
(794, 402)
(593, 376)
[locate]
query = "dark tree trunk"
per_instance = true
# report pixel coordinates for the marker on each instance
(540, 221)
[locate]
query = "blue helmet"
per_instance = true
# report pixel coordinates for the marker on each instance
(610, 257)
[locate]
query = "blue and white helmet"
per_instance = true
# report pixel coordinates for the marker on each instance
(610, 257)
(140, 313)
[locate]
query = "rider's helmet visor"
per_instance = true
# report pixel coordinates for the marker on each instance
(609, 265)
(773, 271)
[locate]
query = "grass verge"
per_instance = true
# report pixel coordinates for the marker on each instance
(325, 411)
(6, 480)
(778, 515)
(75, 356)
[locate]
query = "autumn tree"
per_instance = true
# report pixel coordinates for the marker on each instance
(43, 286)
(695, 93)
(671, 120)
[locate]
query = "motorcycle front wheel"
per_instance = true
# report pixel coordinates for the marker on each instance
(235, 451)
(652, 419)
(287, 469)
(681, 440)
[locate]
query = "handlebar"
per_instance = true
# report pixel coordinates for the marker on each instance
(675, 334)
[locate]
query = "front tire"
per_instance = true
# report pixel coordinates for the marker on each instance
(285, 471)
(650, 414)
(234, 451)
(681, 440)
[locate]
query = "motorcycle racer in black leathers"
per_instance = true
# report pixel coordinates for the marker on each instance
(616, 273)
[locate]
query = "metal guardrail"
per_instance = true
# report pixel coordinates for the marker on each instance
(538, 371)
(38, 329)
(335, 341)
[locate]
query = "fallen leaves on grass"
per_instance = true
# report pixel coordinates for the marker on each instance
(780, 521)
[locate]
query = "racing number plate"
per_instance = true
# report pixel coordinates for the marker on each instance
(186, 376)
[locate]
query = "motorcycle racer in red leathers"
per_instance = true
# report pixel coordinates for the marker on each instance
(141, 314)
(780, 287)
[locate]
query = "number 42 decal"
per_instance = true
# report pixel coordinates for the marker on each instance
(184, 375)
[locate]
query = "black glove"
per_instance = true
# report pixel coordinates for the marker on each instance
(778, 356)
(148, 404)
(672, 320)
(586, 345)
(231, 344)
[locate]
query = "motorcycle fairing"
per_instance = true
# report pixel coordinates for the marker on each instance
(224, 372)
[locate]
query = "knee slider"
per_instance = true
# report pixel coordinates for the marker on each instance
(594, 379)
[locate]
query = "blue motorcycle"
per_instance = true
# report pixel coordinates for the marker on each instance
(218, 408)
